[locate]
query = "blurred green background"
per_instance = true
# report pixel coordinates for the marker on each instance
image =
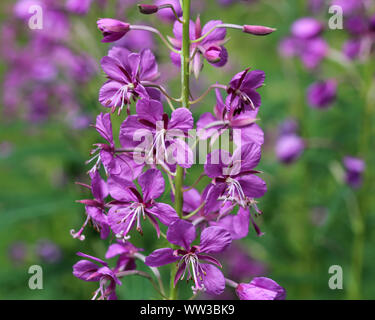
(308, 214)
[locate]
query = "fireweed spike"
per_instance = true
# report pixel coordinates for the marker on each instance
(132, 189)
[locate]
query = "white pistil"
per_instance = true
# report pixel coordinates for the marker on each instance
(192, 269)
(120, 94)
(235, 192)
(137, 211)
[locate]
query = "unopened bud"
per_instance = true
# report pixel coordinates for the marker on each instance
(148, 8)
(213, 54)
(112, 29)
(257, 30)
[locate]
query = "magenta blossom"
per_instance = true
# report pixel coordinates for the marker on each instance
(261, 289)
(112, 29)
(206, 276)
(213, 126)
(126, 71)
(113, 161)
(354, 170)
(164, 137)
(130, 206)
(233, 176)
(306, 28)
(95, 208)
(242, 94)
(80, 7)
(89, 271)
(220, 215)
(125, 252)
(211, 47)
(322, 94)
(289, 148)
(306, 42)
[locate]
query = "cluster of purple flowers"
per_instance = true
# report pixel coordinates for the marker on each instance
(306, 42)
(153, 148)
(43, 71)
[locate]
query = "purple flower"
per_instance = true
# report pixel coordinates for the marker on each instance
(112, 29)
(48, 251)
(220, 215)
(17, 252)
(322, 94)
(206, 276)
(306, 28)
(354, 170)
(126, 71)
(164, 136)
(125, 251)
(167, 14)
(261, 289)
(210, 126)
(78, 6)
(242, 94)
(315, 6)
(305, 42)
(95, 208)
(289, 148)
(233, 177)
(349, 6)
(211, 47)
(288, 126)
(89, 271)
(352, 48)
(114, 162)
(130, 206)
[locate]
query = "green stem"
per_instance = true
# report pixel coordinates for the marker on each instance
(185, 91)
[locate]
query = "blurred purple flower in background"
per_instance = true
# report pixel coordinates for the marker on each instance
(17, 252)
(289, 145)
(322, 94)
(137, 40)
(354, 169)
(80, 7)
(305, 42)
(37, 69)
(315, 6)
(48, 251)
(240, 264)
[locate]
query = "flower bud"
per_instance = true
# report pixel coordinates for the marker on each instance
(257, 30)
(112, 29)
(213, 54)
(148, 8)
(260, 288)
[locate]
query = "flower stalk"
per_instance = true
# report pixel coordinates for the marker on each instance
(185, 92)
